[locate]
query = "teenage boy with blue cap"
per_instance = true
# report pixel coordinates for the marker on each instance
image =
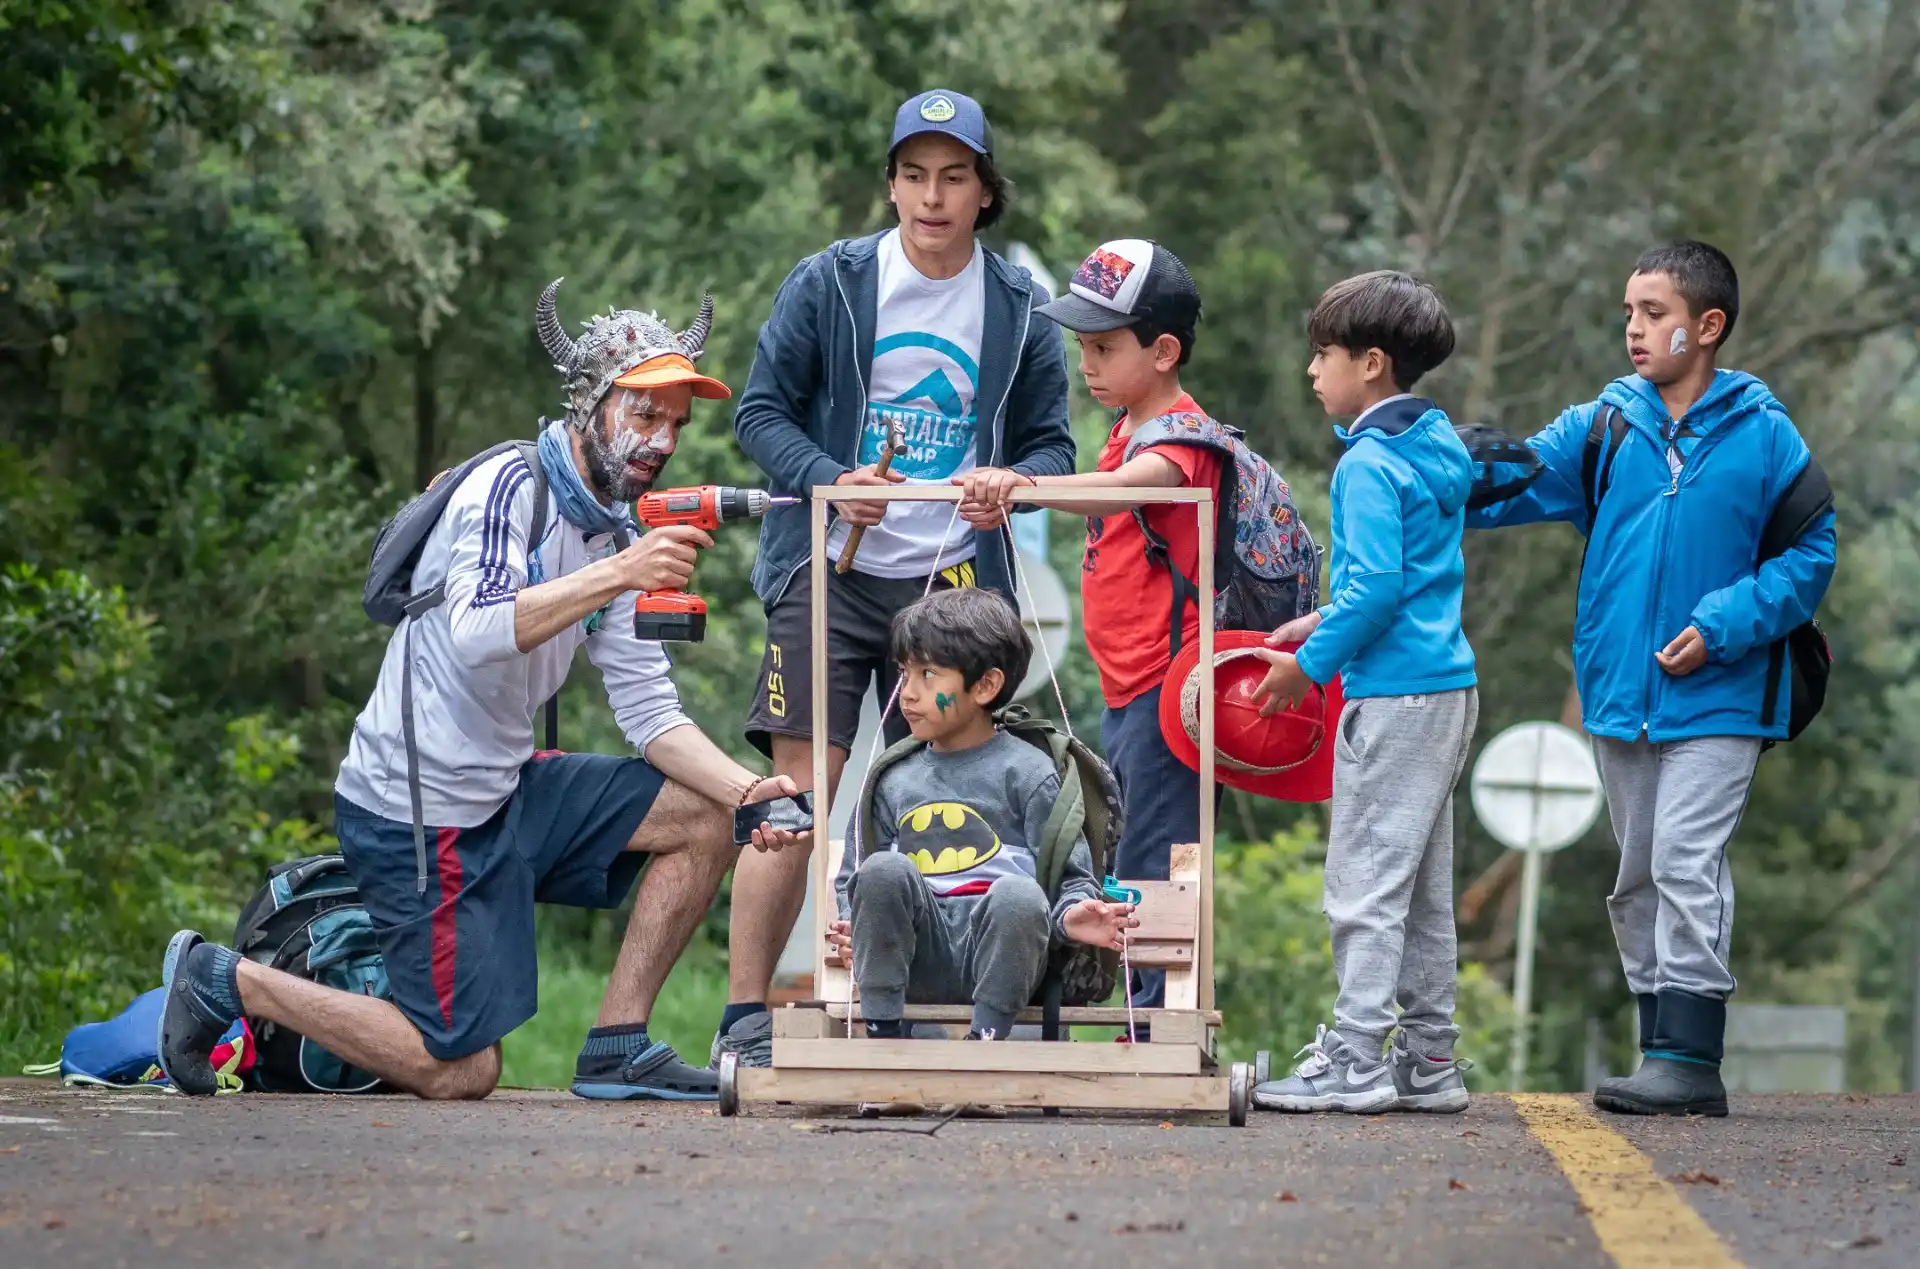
(917, 332)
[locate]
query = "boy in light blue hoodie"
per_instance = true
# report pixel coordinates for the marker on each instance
(1392, 629)
(1672, 476)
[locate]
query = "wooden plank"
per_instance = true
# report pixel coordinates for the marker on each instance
(1183, 987)
(805, 1024)
(829, 982)
(1203, 972)
(1075, 1015)
(975, 1055)
(1159, 955)
(1119, 495)
(1166, 1093)
(1169, 911)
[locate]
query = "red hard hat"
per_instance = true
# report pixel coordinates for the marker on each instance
(1288, 756)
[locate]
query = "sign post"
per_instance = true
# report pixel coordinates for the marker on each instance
(1536, 789)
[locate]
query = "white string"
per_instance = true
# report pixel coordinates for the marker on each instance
(1021, 588)
(880, 731)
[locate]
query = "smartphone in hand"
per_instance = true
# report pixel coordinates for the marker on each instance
(794, 814)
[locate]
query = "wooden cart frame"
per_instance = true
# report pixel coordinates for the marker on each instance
(816, 1060)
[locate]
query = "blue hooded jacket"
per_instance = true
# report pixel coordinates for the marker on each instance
(1670, 550)
(1399, 496)
(805, 402)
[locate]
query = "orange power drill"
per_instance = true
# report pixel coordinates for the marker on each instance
(674, 616)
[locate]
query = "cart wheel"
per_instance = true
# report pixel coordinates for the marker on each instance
(1262, 1067)
(729, 1084)
(1239, 1093)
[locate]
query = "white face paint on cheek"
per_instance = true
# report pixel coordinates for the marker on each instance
(634, 406)
(1678, 344)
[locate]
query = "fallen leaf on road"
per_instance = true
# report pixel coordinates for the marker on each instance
(639, 1169)
(1285, 1196)
(54, 1222)
(1072, 1216)
(10, 1150)
(1152, 1227)
(315, 1235)
(1898, 1160)
(1166, 1125)
(1469, 1133)
(1456, 1184)
(1865, 1240)
(381, 1123)
(464, 1236)
(1697, 1178)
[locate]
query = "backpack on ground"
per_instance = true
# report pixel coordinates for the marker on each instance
(308, 921)
(1266, 564)
(390, 599)
(1089, 803)
(1803, 652)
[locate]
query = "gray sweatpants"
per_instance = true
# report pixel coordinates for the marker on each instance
(990, 951)
(1389, 888)
(1674, 808)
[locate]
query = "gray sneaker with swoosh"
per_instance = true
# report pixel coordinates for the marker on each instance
(1333, 1076)
(1423, 1085)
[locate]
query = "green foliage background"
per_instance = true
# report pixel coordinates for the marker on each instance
(266, 265)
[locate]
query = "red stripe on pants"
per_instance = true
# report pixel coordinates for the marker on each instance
(443, 914)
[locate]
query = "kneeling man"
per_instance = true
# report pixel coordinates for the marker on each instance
(454, 827)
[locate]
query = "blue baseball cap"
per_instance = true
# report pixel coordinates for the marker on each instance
(942, 110)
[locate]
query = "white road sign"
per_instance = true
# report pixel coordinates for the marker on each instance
(1535, 787)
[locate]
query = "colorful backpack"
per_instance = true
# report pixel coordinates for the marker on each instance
(1266, 565)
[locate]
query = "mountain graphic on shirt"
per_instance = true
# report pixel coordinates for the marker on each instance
(936, 421)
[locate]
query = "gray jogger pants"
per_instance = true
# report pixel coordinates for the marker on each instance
(989, 951)
(1674, 808)
(1389, 888)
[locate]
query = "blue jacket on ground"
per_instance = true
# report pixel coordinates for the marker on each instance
(1392, 624)
(1670, 550)
(805, 402)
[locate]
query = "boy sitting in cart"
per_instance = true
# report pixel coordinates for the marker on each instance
(944, 902)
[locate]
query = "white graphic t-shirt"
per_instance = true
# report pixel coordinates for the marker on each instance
(925, 377)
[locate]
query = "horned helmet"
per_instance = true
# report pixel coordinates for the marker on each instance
(626, 347)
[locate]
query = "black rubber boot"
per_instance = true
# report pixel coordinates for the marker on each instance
(1649, 1020)
(1665, 1086)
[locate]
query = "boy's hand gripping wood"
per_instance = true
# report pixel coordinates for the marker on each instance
(896, 441)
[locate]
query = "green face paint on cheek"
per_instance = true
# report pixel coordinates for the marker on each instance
(941, 700)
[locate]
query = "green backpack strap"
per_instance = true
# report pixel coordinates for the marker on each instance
(1068, 819)
(863, 828)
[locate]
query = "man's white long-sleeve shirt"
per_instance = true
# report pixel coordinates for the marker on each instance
(474, 692)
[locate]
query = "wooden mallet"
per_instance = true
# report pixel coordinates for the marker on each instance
(896, 441)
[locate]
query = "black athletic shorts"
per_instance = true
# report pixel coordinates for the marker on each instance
(860, 610)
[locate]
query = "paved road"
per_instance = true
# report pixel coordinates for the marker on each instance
(535, 1179)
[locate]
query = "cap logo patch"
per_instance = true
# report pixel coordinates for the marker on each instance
(1104, 273)
(937, 109)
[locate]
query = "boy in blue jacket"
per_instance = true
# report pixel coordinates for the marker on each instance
(1672, 633)
(1392, 626)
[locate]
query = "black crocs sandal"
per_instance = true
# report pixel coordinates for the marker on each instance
(657, 1074)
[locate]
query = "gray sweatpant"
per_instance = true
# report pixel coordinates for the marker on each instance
(1389, 887)
(990, 951)
(1674, 808)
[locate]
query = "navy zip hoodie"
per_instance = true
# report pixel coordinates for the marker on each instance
(805, 402)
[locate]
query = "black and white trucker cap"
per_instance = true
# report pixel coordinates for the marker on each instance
(1126, 281)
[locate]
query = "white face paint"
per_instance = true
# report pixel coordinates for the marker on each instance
(609, 457)
(1678, 344)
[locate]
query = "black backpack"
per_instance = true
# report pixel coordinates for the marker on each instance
(389, 597)
(1089, 803)
(1490, 448)
(1803, 653)
(308, 921)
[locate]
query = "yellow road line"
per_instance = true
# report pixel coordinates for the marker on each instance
(1640, 1218)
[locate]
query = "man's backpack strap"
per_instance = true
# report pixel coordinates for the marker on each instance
(1804, 501)
(1608, 431)
(530, 450)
